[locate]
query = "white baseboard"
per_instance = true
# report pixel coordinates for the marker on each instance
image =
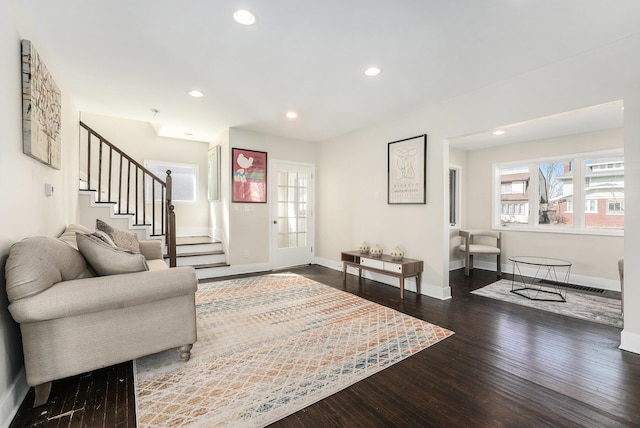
(630, 342)
(587, 281)
(12, 400)
(429, 290)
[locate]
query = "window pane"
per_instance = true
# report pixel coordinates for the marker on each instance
(604, 193)
(184, 178)
(515, 178)
(556, 187)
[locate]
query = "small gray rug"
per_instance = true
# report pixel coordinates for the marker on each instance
(586, 306)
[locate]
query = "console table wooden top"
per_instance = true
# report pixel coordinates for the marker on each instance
(385, 265)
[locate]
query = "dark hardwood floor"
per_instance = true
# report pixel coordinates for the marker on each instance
(506, 366)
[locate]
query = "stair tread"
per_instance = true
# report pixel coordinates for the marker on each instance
(200, 253)
(210, 265)
(195, 240)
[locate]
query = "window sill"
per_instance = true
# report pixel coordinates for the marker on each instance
(562, 230)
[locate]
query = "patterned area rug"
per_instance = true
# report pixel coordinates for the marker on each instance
(587, 306)
(269, 346)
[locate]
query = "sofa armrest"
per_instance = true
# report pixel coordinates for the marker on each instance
(151, 249)
(89, 295)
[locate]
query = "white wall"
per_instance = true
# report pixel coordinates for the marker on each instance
(140, 141)
(249, 224)
(631, 332)
(25, 210)
(355, 165)
(352, 194)
(594, 257)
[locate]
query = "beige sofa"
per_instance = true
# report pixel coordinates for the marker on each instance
(73, 321)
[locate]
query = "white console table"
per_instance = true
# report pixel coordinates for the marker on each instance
(385, 265)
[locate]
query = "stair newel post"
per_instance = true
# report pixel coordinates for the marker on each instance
(171, 223)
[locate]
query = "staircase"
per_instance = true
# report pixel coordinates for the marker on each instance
(120, 191)
(201, 252)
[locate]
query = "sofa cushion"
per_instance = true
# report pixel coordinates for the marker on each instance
(122, 239)
(69, 235)
(36, 263)
(106, 259)
(157, 264)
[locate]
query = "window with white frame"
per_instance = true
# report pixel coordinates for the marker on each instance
(184, 178)
(542, 194)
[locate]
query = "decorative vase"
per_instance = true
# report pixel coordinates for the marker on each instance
(375, 251)
(397, 254)
(364, 248)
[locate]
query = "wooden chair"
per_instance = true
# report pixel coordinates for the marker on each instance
(480, 242)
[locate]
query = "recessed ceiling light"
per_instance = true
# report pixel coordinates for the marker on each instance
(244, 17)
(291, 115)
(372, 71)
(188, 134)
(498, 132)
(195, 93)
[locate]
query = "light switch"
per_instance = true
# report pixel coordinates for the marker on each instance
(48, 189)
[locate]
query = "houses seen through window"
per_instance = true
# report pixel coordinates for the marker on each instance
(555, 193)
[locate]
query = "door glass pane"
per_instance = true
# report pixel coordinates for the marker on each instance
(292, 209)
(282, 210)
(282, 193)
(291, 191)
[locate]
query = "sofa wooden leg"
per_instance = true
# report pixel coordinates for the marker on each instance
(42, 394)
(185, 352)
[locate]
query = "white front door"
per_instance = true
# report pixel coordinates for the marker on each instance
(292, 197)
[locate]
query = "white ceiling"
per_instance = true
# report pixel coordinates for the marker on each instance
(124, 58)
(603, 116)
